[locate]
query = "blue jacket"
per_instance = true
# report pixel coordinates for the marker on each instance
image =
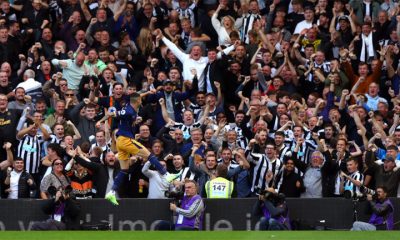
(177, 99)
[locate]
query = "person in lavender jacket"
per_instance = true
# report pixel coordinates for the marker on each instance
(190, 212)
(382, 213)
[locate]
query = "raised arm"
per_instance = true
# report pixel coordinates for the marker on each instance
(396, 119)
(120, 10)
(358, 122)
(85, 10)
(358, 151)
(358, 83)
(254, 58)
(343, 99)
(192, 165)
(46, 134)
(378, 126)
(220, 98)
(174, 49)
(214, 20)
(332, 27)
(10, 157)
(77, 134)
(164, 110)
(205, 113)
(146, 169)
(24, 131)
(297, 53)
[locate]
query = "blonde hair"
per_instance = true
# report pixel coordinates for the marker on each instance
(231, 19)
(145, 44)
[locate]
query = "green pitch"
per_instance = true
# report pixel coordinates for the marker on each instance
(234, 235)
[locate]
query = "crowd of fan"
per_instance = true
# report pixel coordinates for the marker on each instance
(287, 94)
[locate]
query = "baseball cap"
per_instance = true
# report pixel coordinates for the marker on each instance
(344, 17)
(389, 158)
(168, 81)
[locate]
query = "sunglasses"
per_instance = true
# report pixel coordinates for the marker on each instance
(63, 85)
(69, 95)
(57, 164)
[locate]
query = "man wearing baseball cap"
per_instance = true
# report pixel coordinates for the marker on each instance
(384, 175)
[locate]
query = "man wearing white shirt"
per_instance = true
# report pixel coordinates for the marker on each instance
(193, 63)
(20, 182)
(307, 22)
(32, 87)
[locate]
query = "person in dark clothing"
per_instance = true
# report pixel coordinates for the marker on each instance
(290, 183)
(384, 175)
(382, 213)
(85, 124)
(8, 50)
(273, 211)
(64, 211)
(173, 140)
(103, 174)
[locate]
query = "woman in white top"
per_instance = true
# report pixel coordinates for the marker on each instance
(223, 28)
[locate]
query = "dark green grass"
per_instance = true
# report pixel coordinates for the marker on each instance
(231, 235)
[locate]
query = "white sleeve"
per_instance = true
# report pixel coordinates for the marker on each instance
(298, 29)
(226, 51)
(146, 170)
(175, 50)
(55, 62)
(215, 22)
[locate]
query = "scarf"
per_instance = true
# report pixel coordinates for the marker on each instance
(367, 48)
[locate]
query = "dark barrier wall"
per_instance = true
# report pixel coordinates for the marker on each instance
(234, 214)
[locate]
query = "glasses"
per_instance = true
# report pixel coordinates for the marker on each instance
(63, 85)
(69, 94)
(58, 163)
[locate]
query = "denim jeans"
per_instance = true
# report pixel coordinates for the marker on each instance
(271, 224)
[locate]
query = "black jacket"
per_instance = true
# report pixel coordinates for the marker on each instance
(389, 179)
(100, 175)
(23, 187)
(85, 126)
(287, 184)
(72, 211)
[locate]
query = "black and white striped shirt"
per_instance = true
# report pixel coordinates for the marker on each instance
(245, 24)
(29, 150)
(325, 67)
(348, 185)
(241, 140)
(232, 165)
(53, 139)
(196, 109)
(187, 174)
(186, 129)
(187, 13)
(261, 165)
(283, 151)
(305, 150)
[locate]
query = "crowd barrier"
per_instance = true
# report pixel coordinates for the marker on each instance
(232, 214)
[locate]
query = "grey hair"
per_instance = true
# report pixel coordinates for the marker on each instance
(29, 73)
